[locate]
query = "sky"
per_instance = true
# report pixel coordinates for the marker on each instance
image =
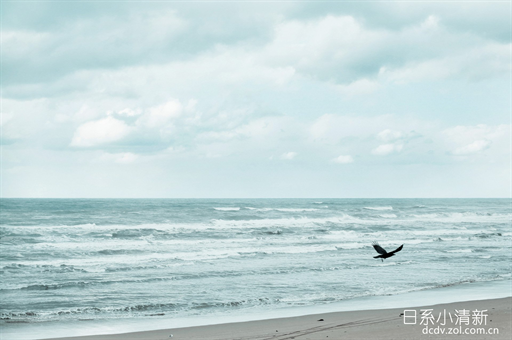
(228, 99)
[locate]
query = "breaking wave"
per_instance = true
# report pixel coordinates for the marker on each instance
(378, 208)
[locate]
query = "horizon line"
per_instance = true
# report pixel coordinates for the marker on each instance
(255, 198)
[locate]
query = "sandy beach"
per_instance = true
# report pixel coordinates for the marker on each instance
(482, 319)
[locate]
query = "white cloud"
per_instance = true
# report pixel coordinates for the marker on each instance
(341, 49)
(432, 22)
(389, 135)
(343, 159)
(463, 134)
(322, 84)
(386, 149)
(160, 115)
(473, 63)
(362, 86)
(120, 158)
(331, 128)
(264, 130)
(129, 112)
(99, 132)
(20, 43)
(289, 155)
(252, 129)
(6, 117)
(467, 140)
(318, 46)
(337, 49)
(86, 43)
(475, 147)
(85, 113)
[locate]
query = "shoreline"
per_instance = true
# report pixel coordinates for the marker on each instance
(362, 324)
(103, 328)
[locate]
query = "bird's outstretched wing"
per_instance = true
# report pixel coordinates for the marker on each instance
(397, 249)
(379, 249)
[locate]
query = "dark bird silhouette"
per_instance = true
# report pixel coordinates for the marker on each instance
(383, 253)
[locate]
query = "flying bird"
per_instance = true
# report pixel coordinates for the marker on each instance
(383, 253)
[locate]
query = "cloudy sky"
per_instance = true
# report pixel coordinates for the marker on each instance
(255, 99)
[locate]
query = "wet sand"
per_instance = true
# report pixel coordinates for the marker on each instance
(366, 324)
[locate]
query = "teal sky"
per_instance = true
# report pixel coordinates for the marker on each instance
(255, 99)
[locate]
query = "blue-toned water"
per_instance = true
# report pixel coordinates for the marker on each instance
(88, 259)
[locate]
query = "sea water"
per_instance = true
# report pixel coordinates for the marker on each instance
(68, 261)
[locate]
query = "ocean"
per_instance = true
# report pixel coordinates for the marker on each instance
(68, 261)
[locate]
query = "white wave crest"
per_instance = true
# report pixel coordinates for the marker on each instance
(379, 208)
(388, 215)
(228, 208)
(283, 209)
